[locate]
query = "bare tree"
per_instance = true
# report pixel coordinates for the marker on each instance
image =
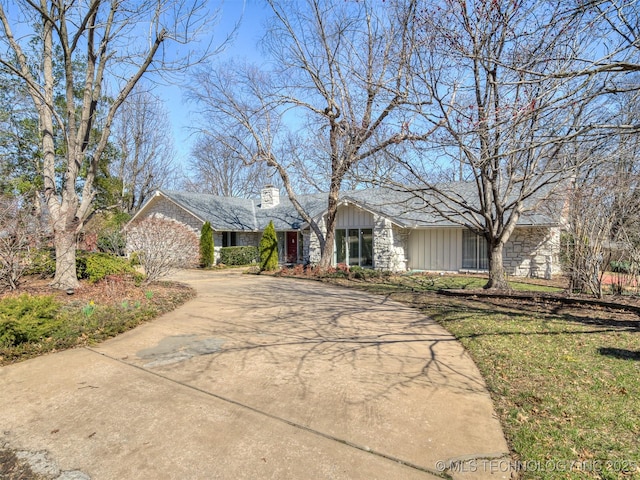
(142, 133)
(339, 78)
(216, 169)
(602, 222)
(505, 114)
(19, 235)
(617, 25)
(603, 204)
(105, 36)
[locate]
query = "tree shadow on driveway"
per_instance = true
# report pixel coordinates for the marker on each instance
(349, 364)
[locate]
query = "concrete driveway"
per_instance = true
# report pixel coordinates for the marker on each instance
(256, 378)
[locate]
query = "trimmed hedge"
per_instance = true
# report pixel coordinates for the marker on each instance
(238, 255)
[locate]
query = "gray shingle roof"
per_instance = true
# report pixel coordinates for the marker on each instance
(416, 209)
(224, 213)
(244, 214)
(402, 207)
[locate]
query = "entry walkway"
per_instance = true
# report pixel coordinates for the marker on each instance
(260, 378)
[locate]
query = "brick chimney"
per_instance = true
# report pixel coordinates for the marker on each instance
(269, 196)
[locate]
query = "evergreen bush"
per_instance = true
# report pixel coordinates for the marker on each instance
(27, 319)
(238, 255)
(96, 266)
(269, 249)
(206, 246)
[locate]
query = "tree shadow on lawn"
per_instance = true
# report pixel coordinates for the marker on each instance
(620, 353)
(539, 312)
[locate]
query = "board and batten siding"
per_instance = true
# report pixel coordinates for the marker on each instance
(437, 249)
(349, 216)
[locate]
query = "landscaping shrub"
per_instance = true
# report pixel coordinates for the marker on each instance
(620, 267)
(339, 271)
(18, 234)
(238, 255)
(134, 259)
(162, 245)
(360, 273)
(206, 245)
(269, 249)
(27, 319)
(112, 241)
(43, 263)
(96, 266)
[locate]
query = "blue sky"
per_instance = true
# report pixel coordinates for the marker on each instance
(252, 14)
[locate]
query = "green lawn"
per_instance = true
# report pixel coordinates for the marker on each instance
(565, 381)
(564, 389)
(431, 282)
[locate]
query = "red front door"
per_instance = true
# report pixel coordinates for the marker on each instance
(292, 247)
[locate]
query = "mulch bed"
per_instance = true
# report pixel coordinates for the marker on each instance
(113, 289)
(621, 303)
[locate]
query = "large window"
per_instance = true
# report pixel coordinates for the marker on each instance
(229, 239)
(354, 246)
(474, 251)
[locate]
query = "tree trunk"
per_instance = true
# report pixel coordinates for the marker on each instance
(497, 275)
(65, 245)
(326, 257)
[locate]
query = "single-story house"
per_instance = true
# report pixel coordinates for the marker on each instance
(376, 228)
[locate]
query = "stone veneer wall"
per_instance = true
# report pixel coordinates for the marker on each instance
(166, 208)
(311, 252)
(533, 252)
(389, 246)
